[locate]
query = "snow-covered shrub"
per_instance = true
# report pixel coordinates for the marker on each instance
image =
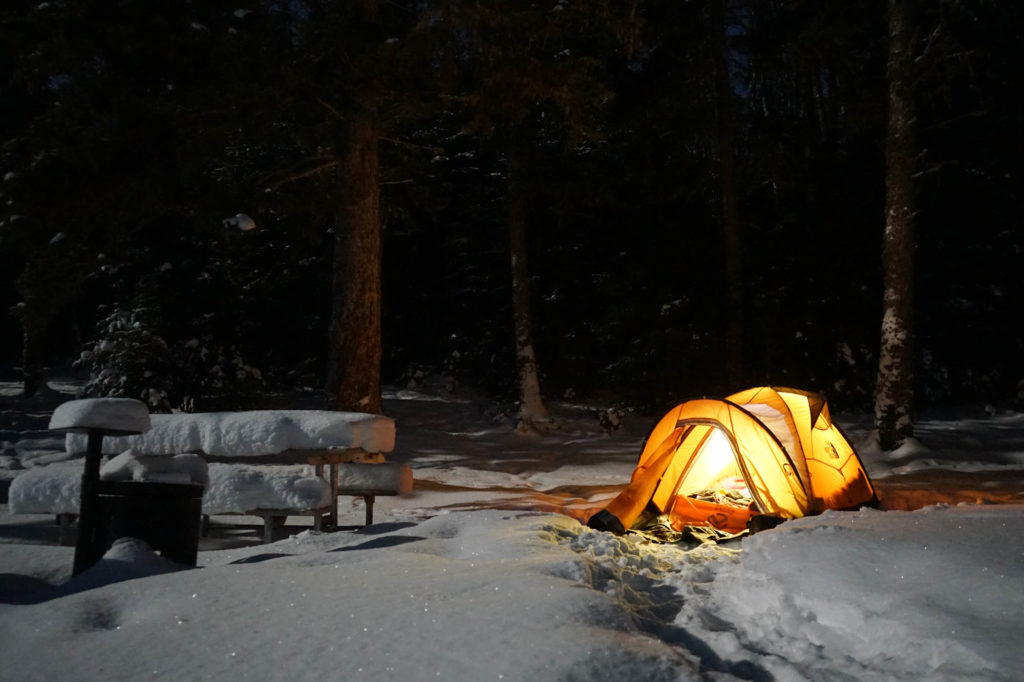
(851, 376)
(206, 369)
(128, 360)
(933, 379)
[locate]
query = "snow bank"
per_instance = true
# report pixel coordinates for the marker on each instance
(253, 433)
(934, 594)
(127, 559)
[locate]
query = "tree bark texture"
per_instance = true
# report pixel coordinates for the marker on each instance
(894, 390)
(355, 331)
(46, 285)
(532, 411)
(32, 339)
(726, 136)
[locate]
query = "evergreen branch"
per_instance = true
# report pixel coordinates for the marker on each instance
(412, 145)
(947, 123)
(274, 181)
(328, 106)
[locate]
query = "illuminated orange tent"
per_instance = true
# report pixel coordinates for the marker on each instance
(764, 451)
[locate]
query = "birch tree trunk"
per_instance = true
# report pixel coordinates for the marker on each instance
(894, 390)
(532, 412)
(726, 134)
(355, 331)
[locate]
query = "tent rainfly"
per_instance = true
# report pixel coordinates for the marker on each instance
(766, 451)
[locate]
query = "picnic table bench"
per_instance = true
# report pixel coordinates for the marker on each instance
(351, 472)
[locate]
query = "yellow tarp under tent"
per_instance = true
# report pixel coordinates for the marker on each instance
(766, 452)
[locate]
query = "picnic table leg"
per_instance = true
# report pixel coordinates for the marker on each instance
(333, 514)
(369, 499)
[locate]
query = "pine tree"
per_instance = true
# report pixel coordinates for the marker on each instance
(355, 76)
(74, 154)
(895, 388)
(529, 76)
(727, 177)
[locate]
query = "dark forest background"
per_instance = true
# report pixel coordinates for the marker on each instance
(133, 132)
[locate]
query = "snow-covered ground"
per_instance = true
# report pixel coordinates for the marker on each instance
(484, 572)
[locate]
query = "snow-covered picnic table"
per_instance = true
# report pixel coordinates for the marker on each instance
(255, 433)
(252, 460)
(320, 438)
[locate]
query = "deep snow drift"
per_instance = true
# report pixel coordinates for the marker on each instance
(472, 577)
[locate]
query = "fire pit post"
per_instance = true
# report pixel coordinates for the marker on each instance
(88, 505)
(97, 417)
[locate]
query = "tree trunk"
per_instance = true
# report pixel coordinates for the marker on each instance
(355, 332)
(894, 391)
(43, 289)
(32, 353)
(726, 134)
(532, 413)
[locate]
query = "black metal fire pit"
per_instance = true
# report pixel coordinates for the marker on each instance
(164, 515)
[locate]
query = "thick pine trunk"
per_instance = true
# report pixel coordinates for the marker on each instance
(355, 332)
(894, 391)
(532, 412)
(726, 133)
